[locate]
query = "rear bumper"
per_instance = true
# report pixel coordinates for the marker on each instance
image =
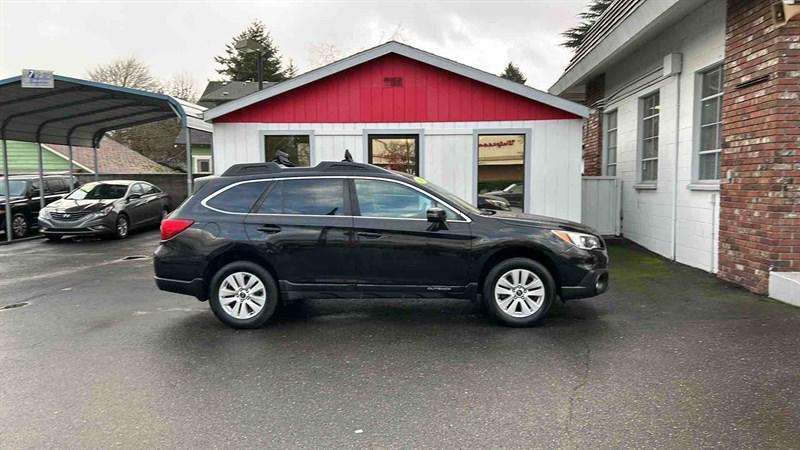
(196, 287)
(594, 283)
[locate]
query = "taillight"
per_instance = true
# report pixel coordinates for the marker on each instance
(173, 227)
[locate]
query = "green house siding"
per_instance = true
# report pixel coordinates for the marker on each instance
(23, 158)
(201, 150)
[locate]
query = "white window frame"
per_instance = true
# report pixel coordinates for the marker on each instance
(640, 153)
(196, 164)
(606, 148)
(699, 126)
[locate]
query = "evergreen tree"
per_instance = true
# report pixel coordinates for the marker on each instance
(513, 73)
(240, 66)
(574, 36)
(291, 70)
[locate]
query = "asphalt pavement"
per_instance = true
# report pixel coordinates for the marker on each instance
(670, 357)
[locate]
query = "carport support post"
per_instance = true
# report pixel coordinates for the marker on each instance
(7, 190)
(189, 181)
(69, 147)
(96, 167)
(42, 189)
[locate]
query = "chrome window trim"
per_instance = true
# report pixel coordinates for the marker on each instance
(204, 202)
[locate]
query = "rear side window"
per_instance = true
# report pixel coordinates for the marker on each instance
(237, 199)
(320, 197)
(55, 185)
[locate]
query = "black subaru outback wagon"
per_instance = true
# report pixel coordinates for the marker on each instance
(261, 234)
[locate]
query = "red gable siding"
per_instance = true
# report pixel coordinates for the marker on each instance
(428, 94)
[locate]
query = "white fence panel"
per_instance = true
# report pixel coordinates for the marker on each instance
(602, 203)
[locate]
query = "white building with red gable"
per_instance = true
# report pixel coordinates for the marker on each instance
(396, 106)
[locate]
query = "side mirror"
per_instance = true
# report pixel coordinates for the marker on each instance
(134, 197)
(436, 215)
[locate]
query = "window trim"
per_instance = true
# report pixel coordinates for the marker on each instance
(527, 187)
(204, 202)
(370, 134)
(697, 183)
(606, 130)
(641, 183)
(262, 144)
(198, 158)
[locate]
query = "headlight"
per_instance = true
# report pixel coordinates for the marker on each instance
(43, 214)
(580, 240)
(103, 212)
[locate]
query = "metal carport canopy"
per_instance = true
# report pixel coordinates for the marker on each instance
(77, 112)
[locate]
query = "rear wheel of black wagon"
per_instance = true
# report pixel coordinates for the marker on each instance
(243, 295)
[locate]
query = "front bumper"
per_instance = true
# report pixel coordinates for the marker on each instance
(594, 283)
(84, 226)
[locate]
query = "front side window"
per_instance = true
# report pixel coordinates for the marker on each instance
(611, 144)
(386, 199)
(16, 187)
(710, 124)
(298, 147)
(395, 152)
(649, 145)
(99, 191)
(237, 199)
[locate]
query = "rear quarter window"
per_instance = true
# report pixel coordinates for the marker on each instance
(237, 199)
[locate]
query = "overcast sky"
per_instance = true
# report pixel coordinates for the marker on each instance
(71, 37)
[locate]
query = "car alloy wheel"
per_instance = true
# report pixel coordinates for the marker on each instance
(519, 293)
(242, 295)
(122, 226)
(19, 226)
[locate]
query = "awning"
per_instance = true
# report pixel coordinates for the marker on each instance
(78, 112)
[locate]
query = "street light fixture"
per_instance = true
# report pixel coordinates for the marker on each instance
(247, 46)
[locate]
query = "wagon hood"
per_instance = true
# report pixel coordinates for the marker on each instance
(512, 218)
(74, 206)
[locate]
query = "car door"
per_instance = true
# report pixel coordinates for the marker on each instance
(136, 205)
(152, 205)
(303, 226)
(396, 245)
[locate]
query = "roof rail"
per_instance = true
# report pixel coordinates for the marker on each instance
(347, 165)
(251, 168)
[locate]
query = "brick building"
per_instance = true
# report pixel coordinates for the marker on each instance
(696, 108)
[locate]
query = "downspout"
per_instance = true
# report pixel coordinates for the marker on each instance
(672, 66)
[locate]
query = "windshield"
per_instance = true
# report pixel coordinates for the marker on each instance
(445, 195)
(99, 191)
(17, 187)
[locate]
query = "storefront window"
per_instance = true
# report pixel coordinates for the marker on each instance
(298, 147)
(395, 152)
(501, 170)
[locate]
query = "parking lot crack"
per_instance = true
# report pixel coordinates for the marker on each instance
(576, 393)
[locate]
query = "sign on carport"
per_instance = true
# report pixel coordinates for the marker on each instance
(37, 79)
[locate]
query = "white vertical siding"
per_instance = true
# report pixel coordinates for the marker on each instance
(447, 156)
(648, 214)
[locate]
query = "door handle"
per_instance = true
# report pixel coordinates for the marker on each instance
(269, 229)
(368, 235)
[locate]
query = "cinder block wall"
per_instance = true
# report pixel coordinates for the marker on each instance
(760, 205)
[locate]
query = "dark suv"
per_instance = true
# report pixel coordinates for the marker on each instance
(261, 234)
(25, 201)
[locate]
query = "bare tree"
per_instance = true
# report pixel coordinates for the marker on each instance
(183, 86)
(128, 72)
(323, 54)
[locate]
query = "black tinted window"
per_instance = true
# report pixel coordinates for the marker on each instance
(239, 198)
(273, 202)
(150, 189)
(320, 197)
(55, 185)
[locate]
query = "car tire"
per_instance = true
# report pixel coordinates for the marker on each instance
(19, 226)
(236, 291)
(518, 292)
(122, 227)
